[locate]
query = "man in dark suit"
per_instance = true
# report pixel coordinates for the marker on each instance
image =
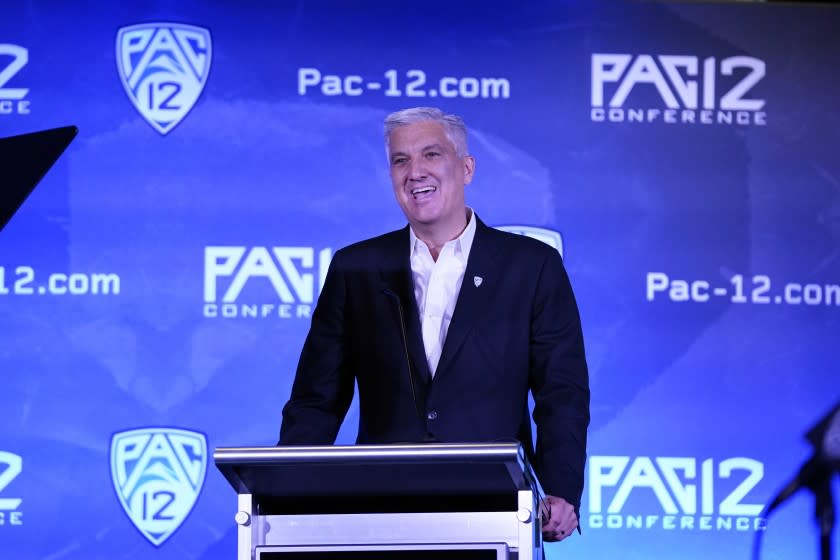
(446, 325)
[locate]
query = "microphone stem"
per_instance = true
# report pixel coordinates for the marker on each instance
(407, 357)
(824, 505)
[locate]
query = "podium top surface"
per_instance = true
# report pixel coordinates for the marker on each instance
(451, 452)
(371, 472)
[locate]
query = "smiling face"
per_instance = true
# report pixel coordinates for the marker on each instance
(429, 178)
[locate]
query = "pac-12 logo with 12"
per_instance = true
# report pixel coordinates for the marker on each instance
(158, 474)
(163, 68)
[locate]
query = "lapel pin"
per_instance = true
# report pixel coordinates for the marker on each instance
(477, 280)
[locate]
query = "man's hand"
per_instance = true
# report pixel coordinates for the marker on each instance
(559, 519)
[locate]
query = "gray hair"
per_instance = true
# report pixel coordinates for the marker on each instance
(453, 125)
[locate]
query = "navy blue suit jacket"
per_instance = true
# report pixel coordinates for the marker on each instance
(515, 330)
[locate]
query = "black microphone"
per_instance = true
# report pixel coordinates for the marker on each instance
(390, 293)
(825, 437)
(815, 474)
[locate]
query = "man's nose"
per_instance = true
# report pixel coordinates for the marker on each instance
(417, 170)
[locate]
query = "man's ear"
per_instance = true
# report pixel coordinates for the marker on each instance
(469, 169)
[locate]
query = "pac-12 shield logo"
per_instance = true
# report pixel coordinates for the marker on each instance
(163, 68)
(158, 474)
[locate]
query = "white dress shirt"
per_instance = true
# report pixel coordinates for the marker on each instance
(437, 285)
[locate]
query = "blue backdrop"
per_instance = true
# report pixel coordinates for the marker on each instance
(155, 289)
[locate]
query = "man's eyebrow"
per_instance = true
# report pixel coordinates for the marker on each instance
(435, 146)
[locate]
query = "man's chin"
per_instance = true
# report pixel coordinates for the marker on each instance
(424, 219)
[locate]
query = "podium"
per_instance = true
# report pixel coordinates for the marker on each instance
(384, 502)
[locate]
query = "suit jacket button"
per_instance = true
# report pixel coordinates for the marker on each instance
(432, 415)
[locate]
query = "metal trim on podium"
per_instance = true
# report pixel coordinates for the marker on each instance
(465, 501)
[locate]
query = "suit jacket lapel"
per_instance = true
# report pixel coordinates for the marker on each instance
(396, 275)
(476, 293)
